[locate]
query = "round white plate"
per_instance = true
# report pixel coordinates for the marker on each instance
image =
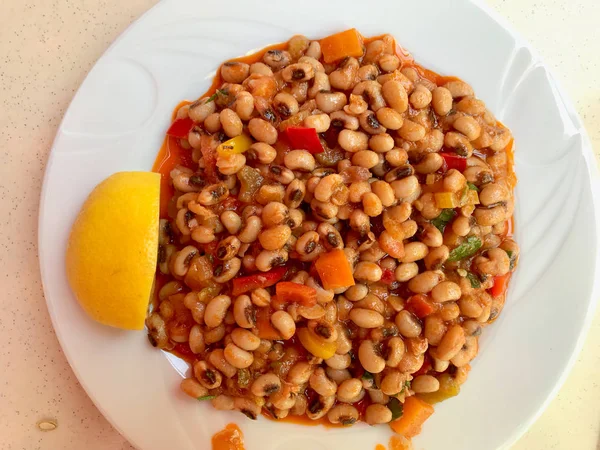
(117, 122)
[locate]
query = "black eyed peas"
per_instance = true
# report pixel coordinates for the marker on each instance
(413, 191)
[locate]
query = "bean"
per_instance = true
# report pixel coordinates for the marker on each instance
(368, 121)
(395, 351)
(365, 158)
(262, 131)
(421, 97)
(407, 189)
(298, 72)
(349, 390)
(424, 384)
(245, 339)
(237, 357)
(406, 271)
(414, 251)
(329, 102)
(320, 122)
(430, 163)
(366, 318)
(451, 343)
(441, 101)
(285, 104)
(412, 131)
(436, 257)
(391, 245)
(261, 297)
(367, 271)
(300, 160)
(377, 414)
(425, 282)
(431, 236)
(491, 216)
(371, 204)
(468, 126)
(340, 119)
(201, 109)
(284, 323)
(192, 388)
(244, 312)
(274, 213)
(266, 385)
(208, 377)
(381, 143)
(217, 359)
(196, 340)
(449, 311)
(343, 78)
(389, 63)
(214, 334)
(275, 237)
(467, 352)
(321, 384)
(263, 152)
(393, 382)
(459, 142)
(369, 358)
(390, 118)
(395, 95)
(459, 88)
(339, 362)
(454, 181)
(300, 373)
(357, 292)
(446, 291)
(408, 325)
(353, 141)
(249, 233)
(216, 310)
(234, 72)
(493, 193)
(411, 363)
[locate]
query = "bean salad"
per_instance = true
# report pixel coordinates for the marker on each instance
(335, 234)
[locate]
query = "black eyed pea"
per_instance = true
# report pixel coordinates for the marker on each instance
(376, 414)
(300, 373)
(454, 181)
(393, 382)
(366, 318)
(407, 189)
(449, 311)
(329, 102)
(217, 359)
(381, 143)
(357, 292)
(365, 158)
(320, 406)
(406, 271)
(231, 123)
(213, 335)
(261, 69)
(411, 363)
(470, 306)
(285, 104)
(412, 131)
(192, 388)
(424, 384)
(244, 339)
(321, 384)
(340, 119)
(430, 163)
(495, 262)
(244, 312)
(408, 325)
(343, 78)
(283, 322)
(339, 362)
(450, 344)
(338, 375)
(371, 204)
(320, 122)
(262, 131)
(493, 193)
(350, 391)
(234, 71)
(390, 118)
(441, 101)
(446, 291)
(201, 109)
(490, 216)
(388, 63)
(395, 351)
(250, 231)
(369, 358)
(247, 406)
(425, 282)
(459, 88)
(266, 385)
(277, 59)
(459, 142)
(275, 237)
(230, 164)
(431, 236)
(208, 377)
(421, 97)
(384, 191)
(468, 126)
(300, 160)
(237, 357)
(467, 352)
(298, 72)
(223, 403)
(395, 95)
(414, 251)
(274, 213)
(368, 121)
(367, 271)
(357, 105)
(501, 138)
(228, 269)
(436, 257)
(212, 123)
(216, 310)
(353, 141)
(264, 153)
(260, 297)
(196, 340)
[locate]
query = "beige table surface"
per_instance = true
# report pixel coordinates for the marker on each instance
(46, 49)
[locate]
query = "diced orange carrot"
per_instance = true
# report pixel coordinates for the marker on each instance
(289, 292)
(341, 45)
(334, 270)
(263, 323)
(414, 414)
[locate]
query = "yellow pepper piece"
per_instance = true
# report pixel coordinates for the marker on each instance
(445, 200)
(448, 389)
(315, 345)
(238, 144)
(472, 198)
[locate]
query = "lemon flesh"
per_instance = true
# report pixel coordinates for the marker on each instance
(112, 250)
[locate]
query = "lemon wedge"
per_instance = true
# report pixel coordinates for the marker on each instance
(112, 249)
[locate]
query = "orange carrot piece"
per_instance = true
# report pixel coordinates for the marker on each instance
(341, 45)
(334, 270)
(415, 413)
(263, 323)
(289, 292)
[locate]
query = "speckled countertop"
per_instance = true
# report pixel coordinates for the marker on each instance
(46, 49)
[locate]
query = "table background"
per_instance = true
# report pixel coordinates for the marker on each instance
(46, 49)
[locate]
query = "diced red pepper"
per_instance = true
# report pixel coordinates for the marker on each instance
(259, 280)
(305, 139)
(500, 285)
(181, 128)
(388, 277)
(420, 306)
(452, 161)
(289, 292)
(209, 154)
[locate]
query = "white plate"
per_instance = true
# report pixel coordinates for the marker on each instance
(117, 122)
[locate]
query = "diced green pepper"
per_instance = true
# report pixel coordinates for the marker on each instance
(472, 186)
(448, 389)
(475, 282)
(251, 181)
(395, 407)
(466, 249)
(443, 219)
(206, 397)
